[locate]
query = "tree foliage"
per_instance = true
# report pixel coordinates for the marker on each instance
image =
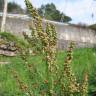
(50, 12)
(14, 8)
(1, 4)
(93, 26)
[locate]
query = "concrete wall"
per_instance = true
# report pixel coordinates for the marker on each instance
(84, 37)
(16, 25)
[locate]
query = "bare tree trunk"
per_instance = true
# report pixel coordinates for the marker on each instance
(4, 16)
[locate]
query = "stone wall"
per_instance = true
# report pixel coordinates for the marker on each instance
(84, 37)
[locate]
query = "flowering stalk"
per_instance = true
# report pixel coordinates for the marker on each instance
(48, 43)
(71, 85)
(23, 87)
(84, 86)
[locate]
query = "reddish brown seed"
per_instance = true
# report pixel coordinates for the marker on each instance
(46, 81)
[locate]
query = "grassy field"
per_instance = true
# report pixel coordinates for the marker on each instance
(84, 60)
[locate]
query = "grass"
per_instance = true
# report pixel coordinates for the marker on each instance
(84, 60)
